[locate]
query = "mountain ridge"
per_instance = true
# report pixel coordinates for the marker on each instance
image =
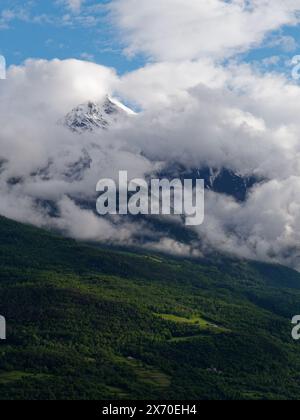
(91, 116)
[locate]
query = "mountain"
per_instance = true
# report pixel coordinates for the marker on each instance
(220, 180)
(93, 323)
(92, 116)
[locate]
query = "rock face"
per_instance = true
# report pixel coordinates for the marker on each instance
(92, 116)
(222, 181)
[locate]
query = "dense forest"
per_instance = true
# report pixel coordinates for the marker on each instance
(85, 322)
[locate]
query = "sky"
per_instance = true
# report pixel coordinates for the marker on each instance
(54, 29)
(215, 86)
(86, 30)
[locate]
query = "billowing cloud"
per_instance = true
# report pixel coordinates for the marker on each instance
(191, 29)
(43, 164)
(196, 112)
(266, 227)
(231, 119)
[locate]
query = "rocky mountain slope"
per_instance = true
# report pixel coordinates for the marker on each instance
(91, 116)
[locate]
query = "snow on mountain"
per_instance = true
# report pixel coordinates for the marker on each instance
(91, 116)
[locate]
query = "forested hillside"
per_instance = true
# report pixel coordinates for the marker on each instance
(90, 323)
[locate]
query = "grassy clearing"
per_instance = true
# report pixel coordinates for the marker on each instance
(14, 376)
(194, 321)
(118, 392)
(149, 375)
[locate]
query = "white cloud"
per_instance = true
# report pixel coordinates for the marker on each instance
(75, 5)
(191, 29)
(195, 112)
(234, 118)
(39, 153)
(266, 227)
(284, 42)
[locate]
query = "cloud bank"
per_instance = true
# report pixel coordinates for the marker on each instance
(191, 29)
(197, 111)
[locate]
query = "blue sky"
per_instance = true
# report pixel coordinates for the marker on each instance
(50, 29)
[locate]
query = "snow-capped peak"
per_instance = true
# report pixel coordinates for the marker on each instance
(117, 106)
(91, 116)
